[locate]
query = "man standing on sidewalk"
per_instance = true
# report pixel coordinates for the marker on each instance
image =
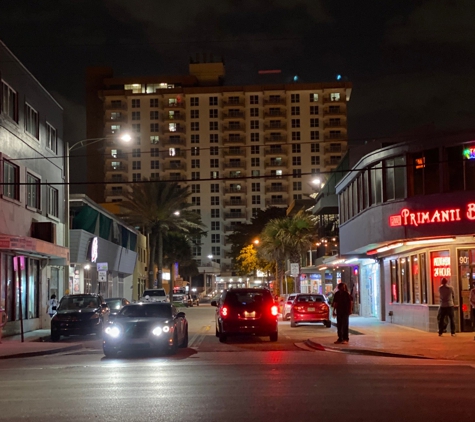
(342, 307)
(446, 309)
(472, 302)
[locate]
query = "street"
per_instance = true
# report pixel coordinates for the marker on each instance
(248, 379)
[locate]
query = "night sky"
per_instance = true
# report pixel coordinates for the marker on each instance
(411, 62)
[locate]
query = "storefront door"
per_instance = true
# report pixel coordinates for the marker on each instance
(466, 275)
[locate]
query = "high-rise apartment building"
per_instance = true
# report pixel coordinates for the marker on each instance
(238, 148)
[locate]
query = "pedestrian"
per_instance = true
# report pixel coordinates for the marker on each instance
(472, 302)
(446, 308)
(52, 305)
(342, 307)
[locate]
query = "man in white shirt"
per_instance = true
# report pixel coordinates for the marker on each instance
(446, 309)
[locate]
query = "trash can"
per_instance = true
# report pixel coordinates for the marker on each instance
(3, 321)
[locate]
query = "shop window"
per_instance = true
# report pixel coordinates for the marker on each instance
(376, 184)
(440, 268)
(425, 172)
(423, 277)
(405, 280)
(394, 281)
(416, 280)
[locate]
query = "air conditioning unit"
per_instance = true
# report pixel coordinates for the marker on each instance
(44, 231)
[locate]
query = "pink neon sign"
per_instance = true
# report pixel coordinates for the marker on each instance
(418, 218)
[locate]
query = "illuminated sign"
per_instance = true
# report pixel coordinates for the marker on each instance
(420, 163)
(469, 153)
(418, 218)
(441, 266)
(93, 250)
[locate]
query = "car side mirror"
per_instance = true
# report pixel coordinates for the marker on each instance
(180, 315)
(214, 303)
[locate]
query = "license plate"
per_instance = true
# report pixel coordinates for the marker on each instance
(311, 309)
(249, 314)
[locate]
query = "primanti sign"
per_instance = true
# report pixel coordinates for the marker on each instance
(408, 217)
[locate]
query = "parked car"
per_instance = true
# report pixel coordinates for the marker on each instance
(154, 326)
(246, 311)
(115, 304)
(79, 314)
(195, 300)
(183, 299)
(155, 295)
(288, 306)
(310, 308)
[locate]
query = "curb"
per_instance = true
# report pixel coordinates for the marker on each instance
(366, 352)
(350, 330)
(42, 352)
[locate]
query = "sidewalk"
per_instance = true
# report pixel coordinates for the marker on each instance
(370, 336)
(12, 347)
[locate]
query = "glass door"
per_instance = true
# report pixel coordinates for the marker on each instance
(466, 275)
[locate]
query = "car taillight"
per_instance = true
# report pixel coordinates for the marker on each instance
(224, 311)
(274, 311)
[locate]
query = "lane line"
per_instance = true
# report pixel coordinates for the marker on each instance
(198, 338)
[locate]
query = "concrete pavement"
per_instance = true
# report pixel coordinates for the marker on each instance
(370, 336)
(34, 345)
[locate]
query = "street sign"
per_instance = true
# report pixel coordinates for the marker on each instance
(102, 276)
(102, 266)
(294, 269)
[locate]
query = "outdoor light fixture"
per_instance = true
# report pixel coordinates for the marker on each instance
(348, 261)
(425, 241)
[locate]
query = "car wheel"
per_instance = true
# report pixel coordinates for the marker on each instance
(217, 332)
(328, 324)
(55, 337)
(223, 337)
(110, 353)
(274, 336)
(292, 323)
(174, 347)
(185, 340)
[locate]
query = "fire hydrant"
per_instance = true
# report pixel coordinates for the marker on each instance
(3, 321)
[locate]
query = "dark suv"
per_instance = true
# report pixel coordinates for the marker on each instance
(246, 311)
(79, 314)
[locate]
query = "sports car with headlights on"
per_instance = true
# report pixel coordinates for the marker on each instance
(154, 326)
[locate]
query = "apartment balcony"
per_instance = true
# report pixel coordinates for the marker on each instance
(275, 188)
(115, 178)
(177, 117)
(174, 176)
(178, 154)
(116, 119)
(234, 115)
(233, 103)
(334, 150)
(275, 114)
(335, 137)
(337, 125)
(235, 203)
(278, 201)
(121, 106)
(241, 164)
(231, 228)
(234, 152)
(234, 128)
(272, 178)
(276, 163)
(233, 174)
(275, 138)
(122, 167)
(279, 127)
(114, 192)
(171, 131)
(274, 101)
(174, 106)
(235, 215)
(234, 190)
(332, 163)
(234, 140)
(175, 167)
(173, 142)
(275, 151)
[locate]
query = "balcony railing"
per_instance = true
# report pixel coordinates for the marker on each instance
(275, 138)
(178, 154)
(114, 192)
(273, 101)
(234, 128)
(233, 103)
(327, 99)
(234, 190)
(235, 215)
(280, 126)
(340, 112)
(335, 136)
(114, 178)
(121, 106)
(122, 168)
(270, 189)
(276, 163)
(240, 152)
(178, 129)
(234, 140)
(275, 151)
(235, 202)
(181, 166)
(236, 115)
(179, 105)
(275, 114)
(234, 165)
(173, 142)
(278, 201)
(176, 117)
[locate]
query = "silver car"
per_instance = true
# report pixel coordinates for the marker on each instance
(288, 306)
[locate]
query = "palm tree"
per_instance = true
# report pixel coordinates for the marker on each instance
(288, 238)
(160, 207)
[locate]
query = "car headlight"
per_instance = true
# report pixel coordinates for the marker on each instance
(113, 331)
(166, 329)
(157, 331)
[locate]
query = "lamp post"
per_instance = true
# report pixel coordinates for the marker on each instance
(68, 148)
(210, 257)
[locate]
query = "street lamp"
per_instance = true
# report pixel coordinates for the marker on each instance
(68, 148)
(210, 257)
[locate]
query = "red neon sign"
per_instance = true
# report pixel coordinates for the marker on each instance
(441, 266)
(417, 218)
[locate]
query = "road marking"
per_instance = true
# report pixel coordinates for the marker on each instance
(198, 338)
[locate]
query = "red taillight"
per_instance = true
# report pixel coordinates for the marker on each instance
(224, 311)
(274, 311)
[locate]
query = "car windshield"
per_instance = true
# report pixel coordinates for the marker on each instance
(147, 311)
(114, 303)
(243, 298)
(154, 293)
(77, 303)
(311, 298)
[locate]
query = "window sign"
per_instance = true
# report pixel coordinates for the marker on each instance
(440, 268)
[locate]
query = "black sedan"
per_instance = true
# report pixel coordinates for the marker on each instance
(154, 326)
(79, 314)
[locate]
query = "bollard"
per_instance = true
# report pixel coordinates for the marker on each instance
(3, 321)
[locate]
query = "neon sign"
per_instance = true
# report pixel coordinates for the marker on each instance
(469, 153)
(441, 266)
(418, 218)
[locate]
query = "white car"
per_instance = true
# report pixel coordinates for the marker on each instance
(154, 295)
(183, 299)
(288, 306)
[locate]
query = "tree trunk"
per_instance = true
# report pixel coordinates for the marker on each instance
(160, 258)
(151, 260)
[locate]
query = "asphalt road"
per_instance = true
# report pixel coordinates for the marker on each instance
(249, 379)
